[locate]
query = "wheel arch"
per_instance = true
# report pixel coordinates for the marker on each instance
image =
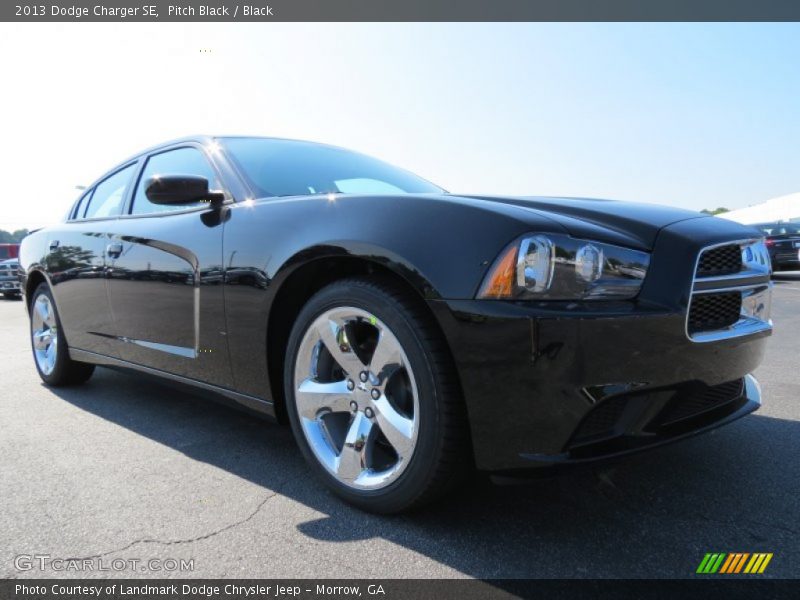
(302, 281)
(33, 279)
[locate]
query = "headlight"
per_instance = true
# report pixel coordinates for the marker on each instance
(559, 267)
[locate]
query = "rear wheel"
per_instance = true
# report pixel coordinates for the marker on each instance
(372, 397)
(50, 351)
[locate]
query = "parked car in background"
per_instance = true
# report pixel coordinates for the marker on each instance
(9, 278)
(783, 243)
(405, 333)
(9, 251)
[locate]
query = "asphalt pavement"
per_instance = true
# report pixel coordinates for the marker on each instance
(125, 468)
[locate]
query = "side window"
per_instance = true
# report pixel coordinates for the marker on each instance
(182, 161)
(109, 194)
(80, 207)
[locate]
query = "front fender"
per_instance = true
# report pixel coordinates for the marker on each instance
(443, 244)
(413, 274)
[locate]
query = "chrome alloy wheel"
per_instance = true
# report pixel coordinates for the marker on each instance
(356, 397)
(44, 332)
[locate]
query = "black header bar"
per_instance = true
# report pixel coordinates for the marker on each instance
(400, 10)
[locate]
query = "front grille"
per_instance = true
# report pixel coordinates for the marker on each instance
(686, 406)
(730, 292)
(722, 260)
(709, 312)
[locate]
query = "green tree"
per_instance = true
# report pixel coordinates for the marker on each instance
(7, 237)
(715, 211)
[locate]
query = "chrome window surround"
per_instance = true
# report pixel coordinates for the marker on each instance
(753, 279)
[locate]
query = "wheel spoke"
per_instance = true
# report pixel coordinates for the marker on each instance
(330, 331)
(354, 457)
(399, 430)
(50, 356)
(387, 358)
(313, 397)
(368, 441)
(43, 309)
(40, 339)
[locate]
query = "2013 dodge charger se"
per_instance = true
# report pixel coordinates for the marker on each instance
(407, 334)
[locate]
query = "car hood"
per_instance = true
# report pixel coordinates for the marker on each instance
(632, 224)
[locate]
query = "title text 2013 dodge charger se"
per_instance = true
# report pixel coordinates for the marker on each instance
(406, 333)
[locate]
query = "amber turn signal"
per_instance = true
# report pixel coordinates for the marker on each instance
(500, 281)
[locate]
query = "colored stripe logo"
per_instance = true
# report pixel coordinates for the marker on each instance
(734, 562)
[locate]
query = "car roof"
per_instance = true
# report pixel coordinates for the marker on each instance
(195, 139)
(207, 139)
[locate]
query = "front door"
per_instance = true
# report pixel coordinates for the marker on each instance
(164, 278)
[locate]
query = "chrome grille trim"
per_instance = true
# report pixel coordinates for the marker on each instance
(753, 278)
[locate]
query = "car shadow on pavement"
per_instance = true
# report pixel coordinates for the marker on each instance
(653, 514)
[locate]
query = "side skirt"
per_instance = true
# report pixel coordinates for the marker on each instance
(250, 403)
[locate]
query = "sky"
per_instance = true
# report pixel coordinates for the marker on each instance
(690, 115)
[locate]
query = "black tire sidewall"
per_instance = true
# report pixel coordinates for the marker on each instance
(415, 478)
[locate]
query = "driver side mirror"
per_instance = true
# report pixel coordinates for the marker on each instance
(181, 189)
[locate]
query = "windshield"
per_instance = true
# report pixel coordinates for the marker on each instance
(779, 228)
(292, 168)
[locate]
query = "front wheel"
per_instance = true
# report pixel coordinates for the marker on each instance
(372, 397)
(50, 351)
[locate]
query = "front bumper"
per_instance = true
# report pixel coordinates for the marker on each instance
(645, 421)
(533, 376)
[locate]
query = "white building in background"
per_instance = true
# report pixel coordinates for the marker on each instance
(783, 208)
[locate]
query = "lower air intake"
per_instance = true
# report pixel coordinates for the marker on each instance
(709, 312)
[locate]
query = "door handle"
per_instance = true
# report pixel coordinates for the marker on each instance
(114, 250)
(53, 245)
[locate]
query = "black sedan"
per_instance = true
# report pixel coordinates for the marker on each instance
(783, 243)
(407, 334)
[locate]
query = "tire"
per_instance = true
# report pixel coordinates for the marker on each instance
(399, 447)
(51, 354)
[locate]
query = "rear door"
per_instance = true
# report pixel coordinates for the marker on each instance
(164, 267)
(75, 262)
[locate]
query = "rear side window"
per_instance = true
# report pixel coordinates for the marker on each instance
(109, 194)
(80, 207)
(181, 161)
